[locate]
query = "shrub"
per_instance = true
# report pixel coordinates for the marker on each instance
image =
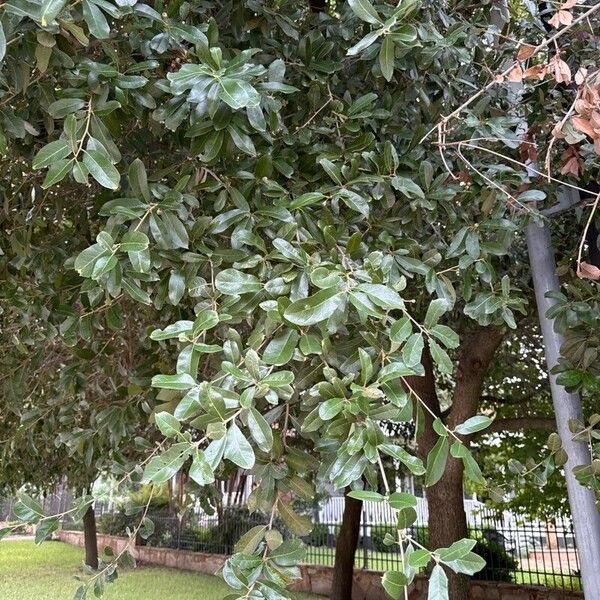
(115, 523)
(319, 535)
(499, 564)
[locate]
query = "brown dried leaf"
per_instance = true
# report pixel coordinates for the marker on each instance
(571, 167)
(581, 75)
(568, 4)
(582, 106)
(525, 52)
(561, 70)
(587, 271)
(536, 72)
(516, 74)
(554, 21)
(561, 17)
(584, 126)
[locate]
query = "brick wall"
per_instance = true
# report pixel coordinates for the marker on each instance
(317, 578)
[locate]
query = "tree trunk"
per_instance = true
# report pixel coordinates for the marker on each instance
(345, 549)
(90, 538)
(447, 521)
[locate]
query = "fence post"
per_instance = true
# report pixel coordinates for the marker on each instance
(364, 538)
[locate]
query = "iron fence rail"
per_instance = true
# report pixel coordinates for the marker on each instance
(516, 548)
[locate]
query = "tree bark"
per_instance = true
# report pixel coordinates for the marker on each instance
(447, 520)
(345, 549)
(90, 538)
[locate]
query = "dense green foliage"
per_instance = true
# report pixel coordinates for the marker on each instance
(237, 203)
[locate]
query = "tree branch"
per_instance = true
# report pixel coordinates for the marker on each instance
(521, 423)
(497, 400)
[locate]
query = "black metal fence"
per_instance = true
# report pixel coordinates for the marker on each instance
(516, 549)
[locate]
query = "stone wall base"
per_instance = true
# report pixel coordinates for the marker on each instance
(317, 579)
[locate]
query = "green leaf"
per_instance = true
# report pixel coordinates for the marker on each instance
(305, 200)
(59, 109)
(288, 554)
(436, 461)
(364, 43)
(169, 426)
(27, 509)
(249, 542)
(134, 241)
(200, 471)
(238, 93)
(413, 463)
(297, 524)
(96, 21)
(85, 261)
(205, 320)
(278, 379)
(315, 308)
(280, 350)
(331, 408)
(387, 57)
(382, 295)
(237, 448)
(469, 565)
(101, 169)
(364, 10)
(176, 288)
(182, 381)
(146, 528)
(51, 153)
(212, 145)
(401, 330)
(57, 172)
(2, 43)
(458, 549)
(435, 310)
(138, 180)
(419, 558)
(366, 495)
(354, 201)
(399, 500)
(163, 467)
(45, 528)
(407, 187)
(172, 331)
(440, 358)
(406, 517)
(448, 337)
(413, 350)
(332, 170)
(474, 424)
(438, 584)
(233, 282)
(260, 430)
(50, 10)
(394, 583)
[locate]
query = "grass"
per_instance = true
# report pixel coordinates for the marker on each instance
(47, 572)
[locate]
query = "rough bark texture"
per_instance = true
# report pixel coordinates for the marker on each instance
(91, 540)
(447, 519)
(345, 549)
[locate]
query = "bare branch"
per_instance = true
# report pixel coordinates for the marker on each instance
(521, 423)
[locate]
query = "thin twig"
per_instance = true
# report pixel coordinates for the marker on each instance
(503, 74)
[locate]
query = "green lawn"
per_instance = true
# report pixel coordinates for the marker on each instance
(46, 572)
